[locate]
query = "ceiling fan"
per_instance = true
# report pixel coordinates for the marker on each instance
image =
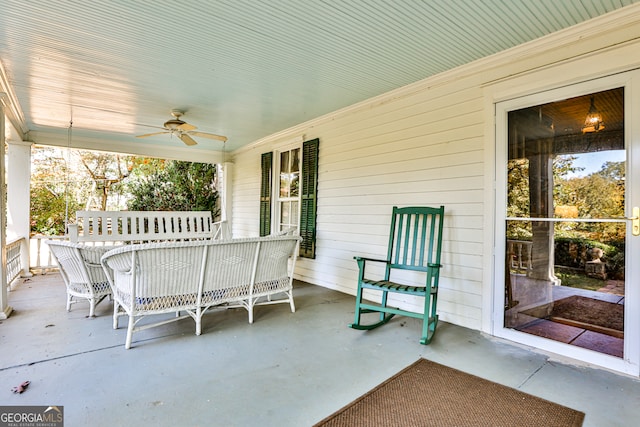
(183, 130)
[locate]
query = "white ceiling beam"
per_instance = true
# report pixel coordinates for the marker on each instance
(189, 154)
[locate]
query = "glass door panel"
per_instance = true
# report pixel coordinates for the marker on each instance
(565, 221)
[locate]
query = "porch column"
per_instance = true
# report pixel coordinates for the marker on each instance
(18, 198)
(226, 197)
(5, 309)
(532, 136)
(541, 206)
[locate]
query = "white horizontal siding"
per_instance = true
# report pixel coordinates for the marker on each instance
(245, 211)
(426, 146)
(412, 151)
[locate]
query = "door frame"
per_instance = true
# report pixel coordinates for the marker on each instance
(630, 80)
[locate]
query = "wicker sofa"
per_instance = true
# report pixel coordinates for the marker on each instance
(97, 232)
(193, 277)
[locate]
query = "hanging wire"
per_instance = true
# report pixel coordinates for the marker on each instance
(223, 186)
(66, 181)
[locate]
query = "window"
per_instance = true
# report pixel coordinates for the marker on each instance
(289, 196)
(293, 205)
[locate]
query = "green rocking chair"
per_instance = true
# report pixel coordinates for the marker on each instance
(415, 243)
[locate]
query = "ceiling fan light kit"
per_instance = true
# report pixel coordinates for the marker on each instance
(183, 130)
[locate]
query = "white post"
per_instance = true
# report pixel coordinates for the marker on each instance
(227, 197)
(18, 197)
(5, 309)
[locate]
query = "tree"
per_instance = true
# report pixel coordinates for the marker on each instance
(518, 199)
(597, 195)
(50, 192)
(165, 185)
(518, 194)
(66, 181)
(107, 171)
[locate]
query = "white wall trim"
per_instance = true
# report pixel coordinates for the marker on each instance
(547, 86)
(285, 135)
(12, 109)
(488, 276)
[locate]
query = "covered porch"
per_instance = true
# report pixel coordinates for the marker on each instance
(287, 369)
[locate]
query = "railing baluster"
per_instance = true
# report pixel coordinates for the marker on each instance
(42, 252)
(14, 264)
(520, 252)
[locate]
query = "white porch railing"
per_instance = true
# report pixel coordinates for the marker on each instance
(40, 258)
(14, 264)
(519, 253)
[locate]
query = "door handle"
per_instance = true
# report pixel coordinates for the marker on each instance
(635, 221)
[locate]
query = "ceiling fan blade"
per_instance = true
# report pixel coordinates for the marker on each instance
(150, 134)
(186, 127)
(187, 139)
(209, 135)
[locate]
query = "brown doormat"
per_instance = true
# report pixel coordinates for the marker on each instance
(429, 394)
(590, 313)
(586, 313)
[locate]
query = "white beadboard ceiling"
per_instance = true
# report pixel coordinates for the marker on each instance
(242, 68)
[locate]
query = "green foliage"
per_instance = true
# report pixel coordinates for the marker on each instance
(580, 281)
(597, 195)
(518, 188)
(174, 185)
(575, 252)
(615, 265)
(518, 199)
(48, 211)
(614, 171)
(49, 192)
(103, 181)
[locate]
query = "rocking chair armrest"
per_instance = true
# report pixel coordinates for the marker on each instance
(359, 258)
(362, 263)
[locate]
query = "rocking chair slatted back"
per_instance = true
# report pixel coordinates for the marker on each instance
(415, 243)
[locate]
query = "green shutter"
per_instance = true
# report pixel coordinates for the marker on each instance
(265, 194)
(309, 198)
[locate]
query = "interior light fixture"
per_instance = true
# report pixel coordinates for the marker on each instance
(593, 122)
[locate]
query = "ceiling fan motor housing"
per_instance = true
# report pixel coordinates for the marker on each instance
(183, 130)
(173, 124)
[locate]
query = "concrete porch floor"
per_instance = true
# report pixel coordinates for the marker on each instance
(287, 369)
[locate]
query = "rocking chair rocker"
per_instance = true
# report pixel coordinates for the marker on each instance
(415, 242)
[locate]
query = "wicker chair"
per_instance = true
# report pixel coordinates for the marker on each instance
(82, 272)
